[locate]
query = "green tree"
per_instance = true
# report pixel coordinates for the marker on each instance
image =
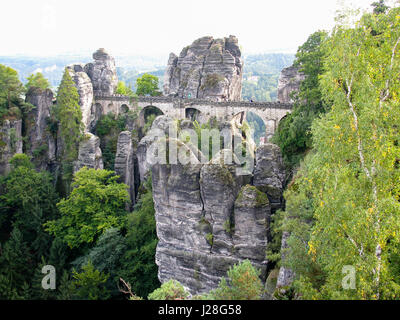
(15, 267)
(293, 134)
(379, 7)
(28, 201)
(147, 85)
(354, 168)
(69, 115)
(124, 90)
(90, 283)
(11, 89)
(243, 284)
(138, 263)
(37, 80)
(96, 204)
(171, 290)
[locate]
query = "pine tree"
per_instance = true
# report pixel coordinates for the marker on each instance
(69, 114)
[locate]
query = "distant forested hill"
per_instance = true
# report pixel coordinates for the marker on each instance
(260, 78)
(261, 75)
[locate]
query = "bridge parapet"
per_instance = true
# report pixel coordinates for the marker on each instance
(183, 103)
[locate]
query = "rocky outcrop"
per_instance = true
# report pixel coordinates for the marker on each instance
(286, 275)
(207, 69)
(124, 163)
(102, 73)
(269, 173)
(40, 144)
(85, 90)
(90, 155)
(208, 219)
(10, 143)
(289, 82)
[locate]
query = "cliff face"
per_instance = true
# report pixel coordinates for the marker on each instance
(41, 145)
(102, 73)
(207, 69)
(208, 219)
(289, 81)
(10, 143)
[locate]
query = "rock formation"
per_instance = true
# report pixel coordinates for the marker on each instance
(208, 219)
(269, 173)
(85, 90)
(10, 143)
(103, 73)
(207, 69)
(289, 81)
(41, 145)
(286, 276)
(124, 163)
(89, 153)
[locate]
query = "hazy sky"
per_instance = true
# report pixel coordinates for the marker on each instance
(149, 27)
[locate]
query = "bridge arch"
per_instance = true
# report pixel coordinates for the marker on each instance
(193, 114)
(124, 109)
(147, 112)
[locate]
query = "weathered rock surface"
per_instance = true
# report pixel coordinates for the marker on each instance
(252, 211)
(203, 226)
(103, 73)
(207, 69)
(159, 129)
(85, 90)
(41, 145)
(269, 173)
(90, 155)
(10, 143)
(289, 81)
(124, 163)
(286, 275)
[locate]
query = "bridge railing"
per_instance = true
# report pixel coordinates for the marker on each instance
(180, 102)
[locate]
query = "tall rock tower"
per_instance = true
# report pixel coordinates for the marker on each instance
(209, 69)
(103, 73)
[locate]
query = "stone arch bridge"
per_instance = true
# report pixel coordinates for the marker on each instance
(270, 112)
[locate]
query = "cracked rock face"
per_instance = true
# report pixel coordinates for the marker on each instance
(40, 144)
(90, 155)
(85, 90)
(124, 163)
(11, 143)
(103, 73)
(289, 81)
(269, 173)
(209, 69)
(286, 275)
(208, 219)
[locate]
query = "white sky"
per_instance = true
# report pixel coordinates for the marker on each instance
(150, 27)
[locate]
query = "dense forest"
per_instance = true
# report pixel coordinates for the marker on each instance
(340, 145)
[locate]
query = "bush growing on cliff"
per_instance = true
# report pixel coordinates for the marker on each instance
(243, 284)
(37, 80)
(171, 290)
(147, 85)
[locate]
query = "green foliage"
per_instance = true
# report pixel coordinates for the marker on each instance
(210, 238)
(379, 7)
(15, 267)
(138, 262)
(28, 200)
(293, 134)
(37, 81)
(171, 290)
(243, 284)
(90, 284)
(147, 85)
(345, 197)
(96, 204)
(11, 89)
(69, 115)
(124, 90)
